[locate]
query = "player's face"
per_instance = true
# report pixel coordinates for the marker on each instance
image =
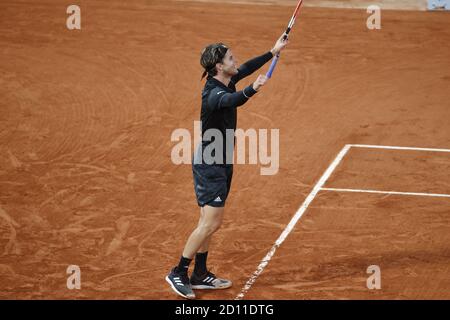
(229, 64)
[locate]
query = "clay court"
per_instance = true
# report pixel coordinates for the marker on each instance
(86, 176)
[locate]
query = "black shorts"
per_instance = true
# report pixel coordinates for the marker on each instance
(212, 184)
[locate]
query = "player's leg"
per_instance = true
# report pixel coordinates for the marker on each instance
(209, 222)
(208, 225)
(202, 278)
(201, 256)
(211, 190)
(205, 245)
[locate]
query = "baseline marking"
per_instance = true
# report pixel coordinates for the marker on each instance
(398, 148)
(265, 261)
(389, 192)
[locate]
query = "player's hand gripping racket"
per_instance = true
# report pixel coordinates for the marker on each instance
(286, 33)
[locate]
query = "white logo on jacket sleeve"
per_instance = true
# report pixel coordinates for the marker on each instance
(220, 92)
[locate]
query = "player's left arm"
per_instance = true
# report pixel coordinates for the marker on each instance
(251, 66)
(254, 64)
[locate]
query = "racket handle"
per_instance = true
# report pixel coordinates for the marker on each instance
(272, 66)
(286, 33)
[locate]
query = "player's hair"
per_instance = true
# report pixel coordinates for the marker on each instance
(212, 54)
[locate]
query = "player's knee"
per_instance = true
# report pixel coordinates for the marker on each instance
(210, 228)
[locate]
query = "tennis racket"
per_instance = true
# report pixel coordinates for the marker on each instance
(286, 33)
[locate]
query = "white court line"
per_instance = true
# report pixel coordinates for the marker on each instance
(398, 148)
(389, 192)
(318, 187)
(265, 261)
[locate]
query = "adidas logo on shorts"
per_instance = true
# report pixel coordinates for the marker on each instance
(218, 199)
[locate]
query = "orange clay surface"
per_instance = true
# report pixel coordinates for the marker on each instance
(86, 176)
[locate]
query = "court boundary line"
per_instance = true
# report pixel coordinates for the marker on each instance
(371, 146)
(265, 261)
(317, 188)
(443, 195)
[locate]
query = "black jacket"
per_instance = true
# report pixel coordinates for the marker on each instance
(219, 106)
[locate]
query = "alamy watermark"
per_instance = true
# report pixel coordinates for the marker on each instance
(74, 279)
(374, 281)
(215, 147)
(374, 20)
(74, 20)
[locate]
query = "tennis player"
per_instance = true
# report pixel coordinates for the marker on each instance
(212, 174)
